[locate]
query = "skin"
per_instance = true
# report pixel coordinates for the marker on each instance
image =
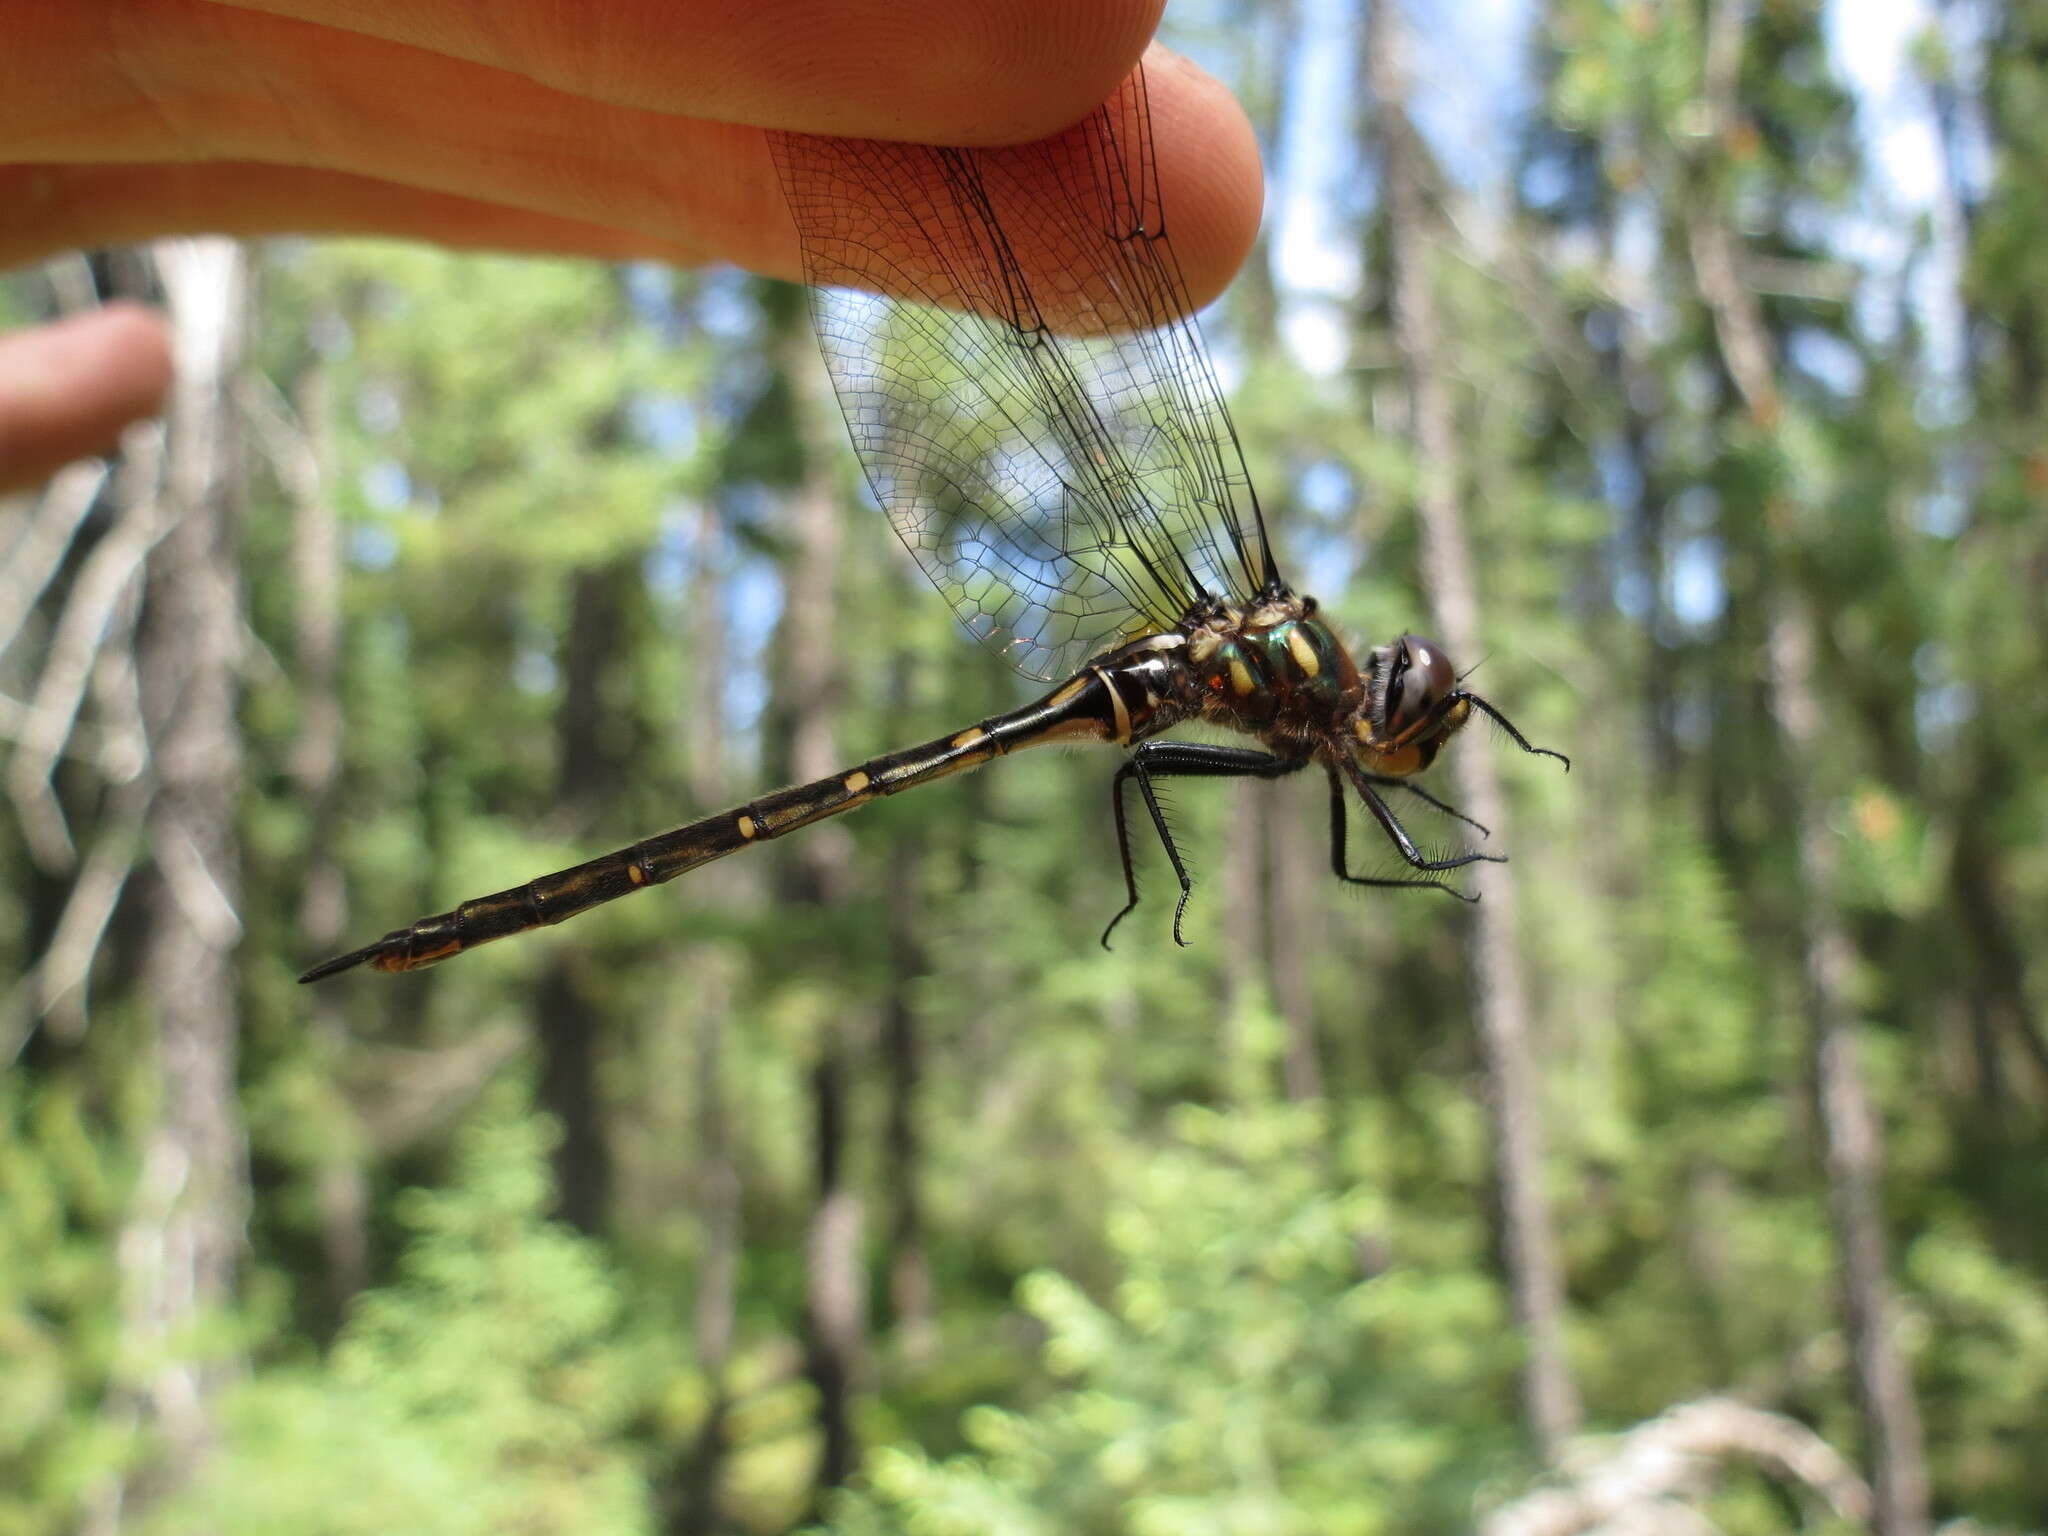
(622, 129)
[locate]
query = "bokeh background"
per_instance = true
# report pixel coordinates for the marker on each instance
(1682, 364)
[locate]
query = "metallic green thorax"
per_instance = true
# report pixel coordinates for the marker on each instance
(1280, 667)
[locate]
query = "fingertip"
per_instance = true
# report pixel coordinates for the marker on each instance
(1024, 73)
(1046, 194)
(137, 349)
(1211, 181)
(69, 388)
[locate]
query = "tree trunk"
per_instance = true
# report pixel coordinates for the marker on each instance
(588, 769)
(1852, 1141)
(1851, 1138)
(910, 1278)
(815, 872)
(1535, 1283)
(705, 678)
(696, 1507)
(185, 1230)
(1289, 939)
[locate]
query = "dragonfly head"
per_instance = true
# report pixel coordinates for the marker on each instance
(1414, 703)
(1412, 706)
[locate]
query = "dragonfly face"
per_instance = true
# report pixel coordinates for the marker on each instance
(1413, 705)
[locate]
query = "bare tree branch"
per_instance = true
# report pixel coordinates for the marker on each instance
(1647, 1478)
(54, 990)
(104, 582)
(51, 522)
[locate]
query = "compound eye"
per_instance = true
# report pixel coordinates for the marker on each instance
(1421, 676)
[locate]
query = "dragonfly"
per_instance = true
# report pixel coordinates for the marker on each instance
(1052, 444)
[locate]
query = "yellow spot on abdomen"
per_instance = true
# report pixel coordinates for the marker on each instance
(856, 782)
(746, 826)
(972, 736)
(1303, 653)
(636, 874)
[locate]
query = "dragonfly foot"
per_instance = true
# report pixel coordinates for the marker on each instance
(1126, 912)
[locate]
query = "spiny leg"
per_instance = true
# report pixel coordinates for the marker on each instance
(1182, 760)
(1450, 701)
(1425, 797)
(1501, 720)
(1339, 838)
(1398, 834)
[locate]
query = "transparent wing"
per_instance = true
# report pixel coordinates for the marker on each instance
(1054, 449)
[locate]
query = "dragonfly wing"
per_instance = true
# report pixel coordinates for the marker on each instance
(1047, 435)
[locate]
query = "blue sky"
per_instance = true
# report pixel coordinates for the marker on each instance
(1469, 65)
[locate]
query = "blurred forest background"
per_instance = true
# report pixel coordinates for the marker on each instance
(1686, 362)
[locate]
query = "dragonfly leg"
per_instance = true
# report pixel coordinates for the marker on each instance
(1378, 781)
(1450, 701)
(1180, 760)
(1501, 720)
(1398, 834)
(1339, 838)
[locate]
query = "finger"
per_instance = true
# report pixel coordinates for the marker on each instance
(898, 220)
(90, 205)
(194, 76)
(929, 71)
(68, 388)
(609, 182)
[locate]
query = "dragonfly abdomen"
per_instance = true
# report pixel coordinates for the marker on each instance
(1100, 704)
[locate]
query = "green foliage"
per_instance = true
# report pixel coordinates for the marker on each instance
(1242, 1377)
(483, 1390)
(62, 1178)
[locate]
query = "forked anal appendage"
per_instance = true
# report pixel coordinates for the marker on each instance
(387, 954)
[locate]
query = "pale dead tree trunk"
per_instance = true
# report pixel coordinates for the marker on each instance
(185, 1229)
(1535, 1284)
(817, 873)
(1851, 1136)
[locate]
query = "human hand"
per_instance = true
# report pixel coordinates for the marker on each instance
(626, 129)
